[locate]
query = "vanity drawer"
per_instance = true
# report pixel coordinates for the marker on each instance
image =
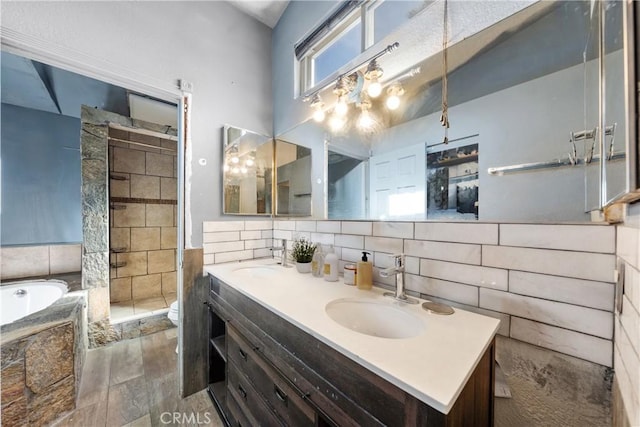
(284, 400)
(249, 402)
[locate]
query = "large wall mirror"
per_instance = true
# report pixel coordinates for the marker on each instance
(536, 102)
(247, 170)
(293, 179)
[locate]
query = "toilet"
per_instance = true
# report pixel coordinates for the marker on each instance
(173, 315)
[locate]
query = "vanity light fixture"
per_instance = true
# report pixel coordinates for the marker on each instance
(235, 170)
(249, 162)
(373, 73)
(336, 123)
(318, 108)
(341, 91)
(235, 160)
(226, 167)
(365, 121)
(394, 92)
(243, 169)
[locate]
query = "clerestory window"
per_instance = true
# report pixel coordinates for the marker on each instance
(352, 28)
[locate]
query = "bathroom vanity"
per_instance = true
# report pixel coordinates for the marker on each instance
(285, 349)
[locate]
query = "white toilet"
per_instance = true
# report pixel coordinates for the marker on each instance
(173, 315)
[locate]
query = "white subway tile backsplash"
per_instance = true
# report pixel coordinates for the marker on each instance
(357, 227)
(628, 245)
(486, 277)
(629, 356)
(412, 265)
(455, 252)
(630, 395)
(65, 258)
(261, 253)
(302, 235)
(284, 225)
(263, 224)
(584, 238)
(221, 236)
(213, 226)
(350, 255)
(564, 289)
(283, 234)
(383, 260)
(393, 229)
(24, 261)
(328, 226)
(266, 234)
(464, 294)
(505, 319)
(584, 346)
(255, 244)
(306, 226)
(323, 238)
(251, 235)
(349, 241)
(389, 281)
(212, 248)
(581, 319)
(383, 244)
(582, 265)
(632, 286)
(630, 321)
(457, 232)
(233, 256)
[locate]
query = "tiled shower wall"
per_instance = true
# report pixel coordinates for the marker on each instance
(551, 285)
(142, 196)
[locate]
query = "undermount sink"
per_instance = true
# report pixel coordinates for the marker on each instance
(375, 318)
(257, 271)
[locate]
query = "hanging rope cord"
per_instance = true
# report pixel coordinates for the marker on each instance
(444, 118)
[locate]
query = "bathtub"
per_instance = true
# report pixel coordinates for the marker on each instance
(20, 299)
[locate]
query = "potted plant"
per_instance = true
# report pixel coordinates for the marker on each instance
(302, 253)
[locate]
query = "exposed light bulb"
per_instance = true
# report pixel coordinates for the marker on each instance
(318, 115)
(375, 88)
(243, 169)
(393, 102)
(226, 167)
(235, 160)
(341, 107)
(365, 121)
(336, 123)
(249, 162)
(235, 170)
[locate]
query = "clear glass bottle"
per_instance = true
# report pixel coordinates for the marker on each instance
(317, 263)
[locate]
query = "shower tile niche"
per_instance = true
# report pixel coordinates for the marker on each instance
(143, 199)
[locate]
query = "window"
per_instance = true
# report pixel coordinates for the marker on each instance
(352, 28)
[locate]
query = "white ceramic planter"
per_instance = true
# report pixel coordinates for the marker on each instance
(303, 267)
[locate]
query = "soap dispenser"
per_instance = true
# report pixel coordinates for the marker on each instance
(331, 266)
(364, 273)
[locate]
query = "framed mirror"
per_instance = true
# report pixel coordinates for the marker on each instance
(293, 179)
(523, 95)
(247, 172)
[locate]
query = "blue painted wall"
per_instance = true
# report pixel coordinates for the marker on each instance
(40, 200)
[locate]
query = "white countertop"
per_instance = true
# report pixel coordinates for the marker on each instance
(433, 366)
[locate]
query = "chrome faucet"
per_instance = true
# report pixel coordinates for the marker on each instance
(398, 270)
(283, 255)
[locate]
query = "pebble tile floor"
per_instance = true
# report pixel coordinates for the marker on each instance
(133, 383)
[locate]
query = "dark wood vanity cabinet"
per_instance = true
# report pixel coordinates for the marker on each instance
(277, 374)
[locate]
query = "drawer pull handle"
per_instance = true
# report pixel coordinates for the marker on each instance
(281, 395)
(242, 392)
(243, 354)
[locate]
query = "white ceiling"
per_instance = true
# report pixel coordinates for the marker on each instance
(266, 11)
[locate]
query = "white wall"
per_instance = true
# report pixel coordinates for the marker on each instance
(225, 53)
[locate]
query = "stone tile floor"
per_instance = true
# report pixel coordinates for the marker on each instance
(132, 308)
(135, 383)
